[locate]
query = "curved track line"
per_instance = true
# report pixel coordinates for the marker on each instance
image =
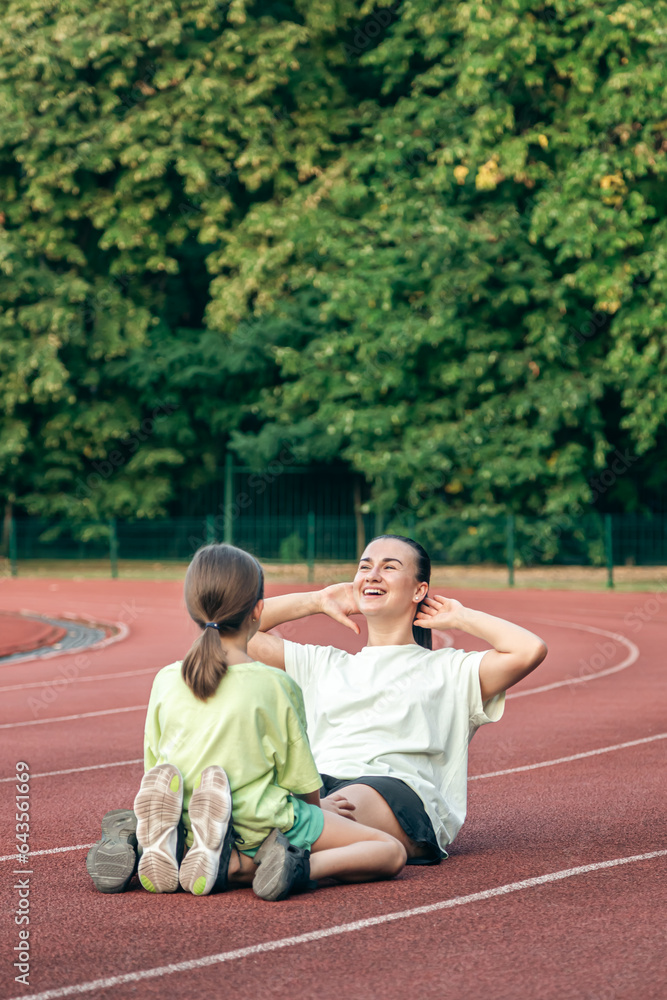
(69, 718)
(633, 654)
(327, 932)
(550, 763)
(63, 681)
(122, 633)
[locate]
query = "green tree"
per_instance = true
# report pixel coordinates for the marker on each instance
(131, 141)
(424, 239)
(482, 264)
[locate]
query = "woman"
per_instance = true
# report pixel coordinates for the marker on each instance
(391, 724)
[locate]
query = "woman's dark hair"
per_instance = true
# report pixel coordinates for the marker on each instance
(222, 585)
(423, 636)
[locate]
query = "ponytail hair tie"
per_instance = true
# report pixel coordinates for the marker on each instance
(212, 625)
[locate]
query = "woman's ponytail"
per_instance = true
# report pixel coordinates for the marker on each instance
(222, 586)
(423, 636)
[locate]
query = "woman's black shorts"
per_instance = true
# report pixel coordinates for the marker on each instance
(406, 806)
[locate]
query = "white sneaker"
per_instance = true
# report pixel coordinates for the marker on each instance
(158, 808)
(210, 812)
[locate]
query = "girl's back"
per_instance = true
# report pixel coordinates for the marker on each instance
(253, 725)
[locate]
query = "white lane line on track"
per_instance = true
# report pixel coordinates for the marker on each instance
(630, 659)
(69, 718)
(633, 655)
(63, 681)
(51, 850)
(77, 770)
(328, 932)
(472, 777)
(559, 760)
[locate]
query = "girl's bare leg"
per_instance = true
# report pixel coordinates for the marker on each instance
(241, 869)
(351, 852)
(346, 851)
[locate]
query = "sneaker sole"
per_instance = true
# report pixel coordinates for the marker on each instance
(210, 812)
(270, 882)
(158, 808)
(112, 861)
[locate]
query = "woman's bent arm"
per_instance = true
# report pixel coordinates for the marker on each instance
(287, 608)
(336, 601)
(270, 649)
(516, 650)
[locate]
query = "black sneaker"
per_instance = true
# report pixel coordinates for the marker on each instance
(232, 839)
(113, 860)
(283, 868)
(205, 865)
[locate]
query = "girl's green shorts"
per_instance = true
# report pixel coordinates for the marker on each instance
(308, 826)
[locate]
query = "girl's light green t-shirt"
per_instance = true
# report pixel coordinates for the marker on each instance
(254, 726)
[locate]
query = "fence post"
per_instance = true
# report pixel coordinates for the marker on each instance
(609, 550)
(113, 548)
(510, 549)
(310, 549)
(13, 547)
(210, 529)
(229, 498)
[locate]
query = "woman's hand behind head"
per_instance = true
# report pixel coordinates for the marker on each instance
(338, 601)
(439, 612)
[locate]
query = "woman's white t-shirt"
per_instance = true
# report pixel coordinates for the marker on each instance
(402, 711)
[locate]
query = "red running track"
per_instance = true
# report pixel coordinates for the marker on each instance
(555, 888)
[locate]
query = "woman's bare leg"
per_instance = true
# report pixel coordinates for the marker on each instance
(374, 811)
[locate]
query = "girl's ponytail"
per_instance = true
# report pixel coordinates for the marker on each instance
(222, 586)
(204, 665)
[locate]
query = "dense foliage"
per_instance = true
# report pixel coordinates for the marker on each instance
(427, 239)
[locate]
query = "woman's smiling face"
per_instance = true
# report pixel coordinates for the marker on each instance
(386, 583)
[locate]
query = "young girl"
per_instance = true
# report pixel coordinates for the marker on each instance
(226, 752)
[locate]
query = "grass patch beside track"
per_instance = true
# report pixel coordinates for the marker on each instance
(626, 578)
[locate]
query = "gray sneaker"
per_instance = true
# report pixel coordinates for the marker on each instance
(283, 868)
(113, 860)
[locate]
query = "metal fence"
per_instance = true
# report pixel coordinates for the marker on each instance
(511, 540)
